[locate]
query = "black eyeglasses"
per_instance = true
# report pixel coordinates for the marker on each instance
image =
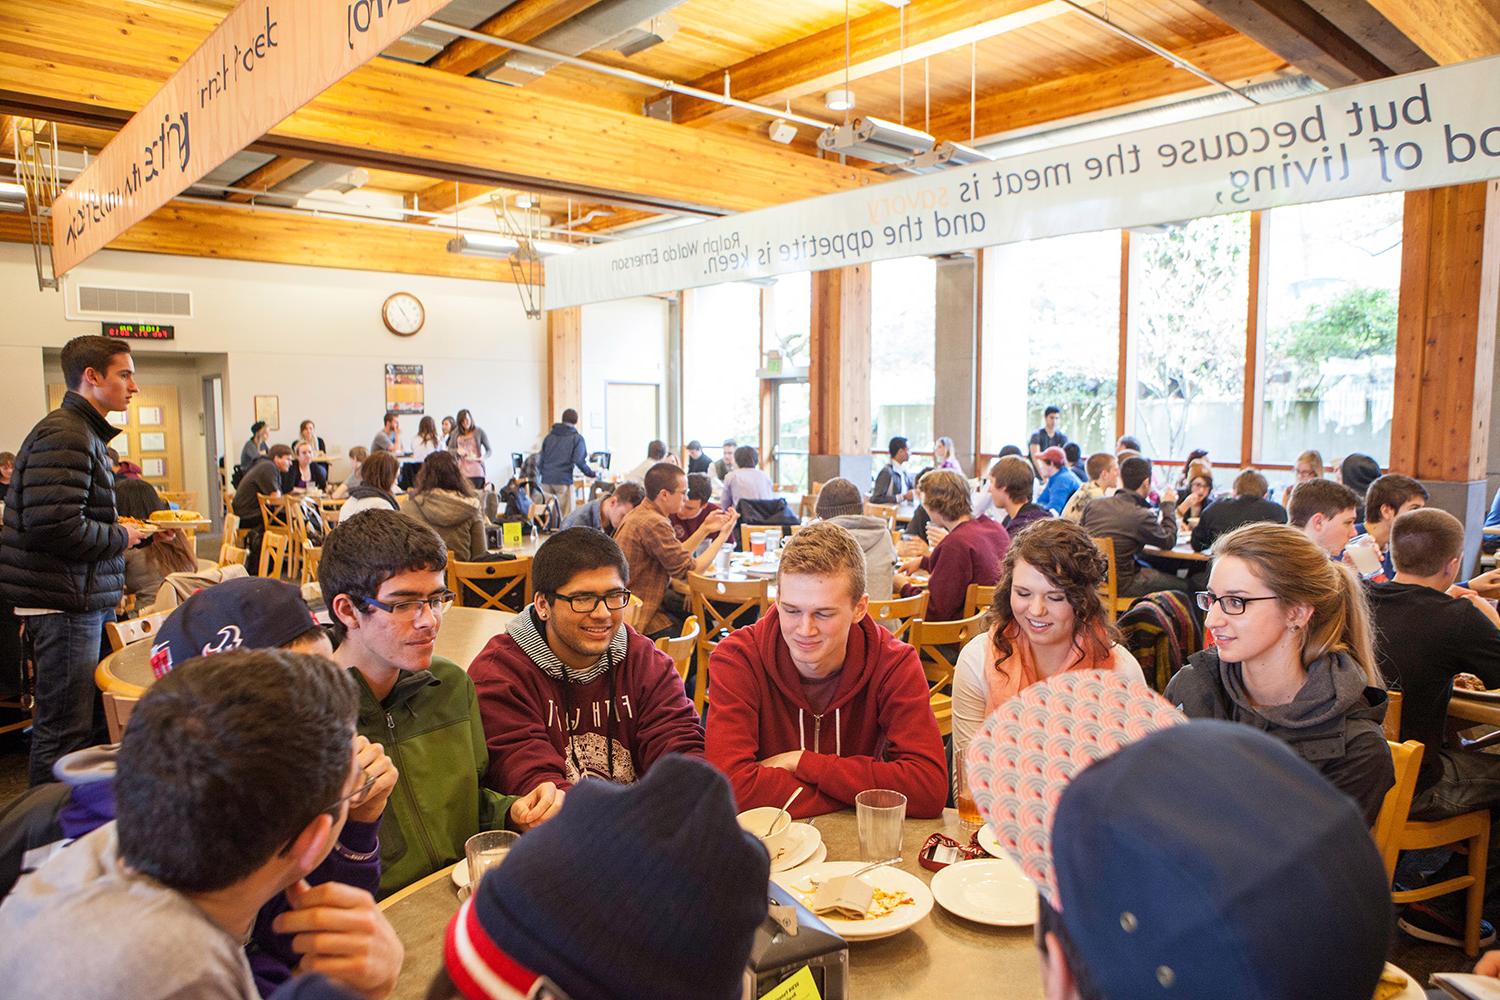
(1231, 604)
(615, 600)
(437, 604)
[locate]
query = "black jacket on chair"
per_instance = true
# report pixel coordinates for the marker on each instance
(61, 548)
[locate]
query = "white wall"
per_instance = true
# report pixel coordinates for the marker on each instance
(25, 389)
(624, 341)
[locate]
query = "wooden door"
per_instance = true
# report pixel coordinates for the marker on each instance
(150, 433)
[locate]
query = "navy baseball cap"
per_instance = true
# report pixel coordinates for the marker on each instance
(250, 612)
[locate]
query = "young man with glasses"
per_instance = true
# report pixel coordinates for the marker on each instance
(571, 692)
(382, 576)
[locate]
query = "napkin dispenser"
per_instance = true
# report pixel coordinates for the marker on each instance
(793, 937)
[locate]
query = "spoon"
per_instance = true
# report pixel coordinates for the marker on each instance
(777, 818)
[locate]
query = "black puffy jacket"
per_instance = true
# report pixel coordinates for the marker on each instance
(61, 548)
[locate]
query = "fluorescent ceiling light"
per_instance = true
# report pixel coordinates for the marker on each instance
(12, 197)
(483, 245)
(875, 139)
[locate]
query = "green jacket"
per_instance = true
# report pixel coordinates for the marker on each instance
(429, 727)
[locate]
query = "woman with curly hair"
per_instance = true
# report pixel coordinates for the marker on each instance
(1047, 618)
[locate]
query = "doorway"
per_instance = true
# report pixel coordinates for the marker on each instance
(791, 416)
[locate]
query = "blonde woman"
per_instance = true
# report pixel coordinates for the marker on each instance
(1309, 466)
(1294, 657)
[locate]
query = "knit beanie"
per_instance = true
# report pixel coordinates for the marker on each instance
(839, 497)
(645, 890)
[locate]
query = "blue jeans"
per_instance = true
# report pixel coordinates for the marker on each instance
(65, 647)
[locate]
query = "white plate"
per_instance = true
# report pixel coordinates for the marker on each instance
(818, 857)
(990, 842)
(807, 842)
(887, 878)
(460, 874)
(993, 892)
(1412, 991)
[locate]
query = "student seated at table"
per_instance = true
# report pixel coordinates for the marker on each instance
(1061, 483)
(1200, 860)
(893, 484)
(570, 691)
(696, 460)
(1010, 485)
(1198, 493)
(816, 695)
(971, 550)
(1358, 471)
(1131, 523)
(148, 564)
(696, 506)
(1047, 619)
(383, 578)
(304, 473)
(656, 452)
(1103, 479)
(655, 556)
(1294, 656)
(1074, 455)
(841, 503)
(608, 512)
(357, 456)
(427, 441)
(1309, 466)
(662, 902)
(377, 484)
(1323, 510)
(1388, 498)
(256, 447)
(724, 465)
(1248, 506)
(263, 479)
(236, 777)
(1429, 632)
(747, 482)
(389, 436)
(443, 499)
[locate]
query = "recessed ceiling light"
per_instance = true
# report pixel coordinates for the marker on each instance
(839, 100)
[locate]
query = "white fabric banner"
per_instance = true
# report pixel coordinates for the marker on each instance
(1430, 129)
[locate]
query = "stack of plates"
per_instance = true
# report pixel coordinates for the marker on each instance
(805, 848)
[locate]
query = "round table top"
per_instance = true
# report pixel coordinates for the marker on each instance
(465, 632)
(943, 955)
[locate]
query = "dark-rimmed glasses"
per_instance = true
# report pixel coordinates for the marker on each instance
(408, 610)
(615, 600)
(1230, 603)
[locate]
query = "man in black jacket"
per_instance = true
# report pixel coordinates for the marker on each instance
(62, 554)
(894, 484)
(1248, 506)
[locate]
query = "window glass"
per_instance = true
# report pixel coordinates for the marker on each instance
(791, 319)
(720, 358)
(903, 302)
(1328, 371)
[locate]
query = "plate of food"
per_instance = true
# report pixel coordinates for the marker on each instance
(1397, 985)
(144, 527)
(1472, 687)
(898, 900)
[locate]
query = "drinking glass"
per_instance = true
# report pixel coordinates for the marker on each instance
(963, 796)
(773, 541)
(485, 852)
(880, 814)
(757, 544)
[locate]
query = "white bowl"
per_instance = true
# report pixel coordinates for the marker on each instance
(758, 821)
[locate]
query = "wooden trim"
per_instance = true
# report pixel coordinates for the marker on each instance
(564, 362)
(980, 257)
(1122, 373)
(1255, 309)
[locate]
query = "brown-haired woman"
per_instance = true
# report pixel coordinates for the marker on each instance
(1047, 618)
(1295, 657)
(167, 551)
(443, 499)
(377, 485)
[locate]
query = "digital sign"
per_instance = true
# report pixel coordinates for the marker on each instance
(139, 331)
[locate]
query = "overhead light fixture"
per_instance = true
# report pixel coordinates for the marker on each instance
(551, 248)
(877, 140)
(838, 100)
(483, 245)
(782, 131)
(945, 155)
(12, 197)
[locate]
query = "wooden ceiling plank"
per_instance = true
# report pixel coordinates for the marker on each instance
(1449, 31)
(1309, 41)
(522, 21)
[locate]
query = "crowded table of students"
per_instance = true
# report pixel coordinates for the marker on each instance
(941, 956)
(465, 632)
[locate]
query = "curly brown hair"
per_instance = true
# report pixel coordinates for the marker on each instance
(1065, 554)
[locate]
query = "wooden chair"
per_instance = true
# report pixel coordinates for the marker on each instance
(329, 508)
(632, 613)
(978, 598)
(886, 511)
(117, 712)
(490, 584)
(680, 650)
(935, 641)
(1395, 831)
(312, 555)
(273, 514)
(816, 488)
(1393, 717)
(232, 555)
(722, 606)
(296, 520)
(1110, 590)
(186, 499)
(122, 634)
(273, 554)
(897, 614)
(807, 507)
(746, 530)
(228, 497)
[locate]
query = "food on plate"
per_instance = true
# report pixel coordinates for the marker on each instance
(853, 899)
(1468, 682)
(161, 516)
(1392, 984)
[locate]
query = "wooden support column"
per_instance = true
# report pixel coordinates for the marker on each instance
(564, 363)
(839, 438)
(1445, 347)
(954, 410)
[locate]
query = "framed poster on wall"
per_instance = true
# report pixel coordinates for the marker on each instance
(268, 408)
(404, 391)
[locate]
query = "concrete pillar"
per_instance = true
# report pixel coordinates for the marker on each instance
(957, 347)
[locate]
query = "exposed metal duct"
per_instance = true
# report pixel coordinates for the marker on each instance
(604, 26)
(316, 177)
(420, 44)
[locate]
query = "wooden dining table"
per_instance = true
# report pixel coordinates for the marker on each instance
(942, 956)
(127, 672)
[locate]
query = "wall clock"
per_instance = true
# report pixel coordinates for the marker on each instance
(403, 314)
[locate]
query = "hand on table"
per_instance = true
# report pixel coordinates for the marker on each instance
(372, 761)
(536, 807)
(341, 932)
(720, 519)
(785, 761)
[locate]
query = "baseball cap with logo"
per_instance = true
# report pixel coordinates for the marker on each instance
(249, 612)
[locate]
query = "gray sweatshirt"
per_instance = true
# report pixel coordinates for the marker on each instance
(82, 926)
(874, 538)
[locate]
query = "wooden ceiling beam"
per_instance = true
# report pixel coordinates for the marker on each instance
(267, 176)
(522, 21)
(1230, 58)
(1449, 31)
(816, 62)
(1300, 33)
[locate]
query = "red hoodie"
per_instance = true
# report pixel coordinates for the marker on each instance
(523, 710)
(877, 732)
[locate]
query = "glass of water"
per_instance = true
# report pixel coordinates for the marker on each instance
(485, 852)
(880, 814)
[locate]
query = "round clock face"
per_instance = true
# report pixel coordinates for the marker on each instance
(403, 314)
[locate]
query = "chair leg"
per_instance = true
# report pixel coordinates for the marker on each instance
(1479, 850)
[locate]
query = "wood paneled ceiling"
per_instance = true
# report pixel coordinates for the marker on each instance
(584, 142)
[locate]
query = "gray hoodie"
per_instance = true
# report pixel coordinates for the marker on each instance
(874, 537)
(1334, 722)
(455, 517)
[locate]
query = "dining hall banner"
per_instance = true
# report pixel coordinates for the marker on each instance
(1430, 129)
(265, 60)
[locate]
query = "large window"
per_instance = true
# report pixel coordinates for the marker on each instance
(720, 357)
(1328, 367)
(790, 328)
(1189, 297)
(903, 300)
(1052, 318)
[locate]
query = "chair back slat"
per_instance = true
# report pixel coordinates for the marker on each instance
(936, 644)
(489, 584)
(117, 712)
(898, 614)
(1109, 591)
(273, 513)
(273, 553)
(680, 648)
(123, 633)
(1407, 759)
(978, 598)
(885, 511)
(719, 606)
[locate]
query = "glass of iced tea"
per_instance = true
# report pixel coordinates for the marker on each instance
(963, 797)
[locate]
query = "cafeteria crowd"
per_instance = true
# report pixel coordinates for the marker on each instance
(281, 776)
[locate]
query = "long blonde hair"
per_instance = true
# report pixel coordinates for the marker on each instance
(1298, 571)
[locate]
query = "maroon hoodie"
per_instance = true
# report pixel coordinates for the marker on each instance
(878, 731)
(613, 720)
